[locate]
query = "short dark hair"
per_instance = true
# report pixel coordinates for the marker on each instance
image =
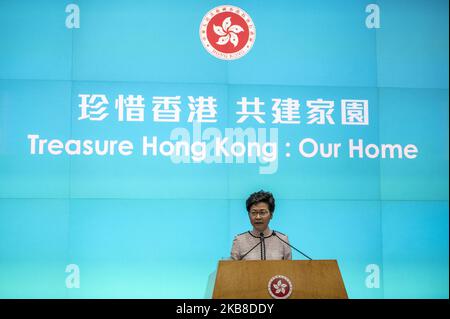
(261, 197)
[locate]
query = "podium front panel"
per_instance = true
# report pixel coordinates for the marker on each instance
(249, 279)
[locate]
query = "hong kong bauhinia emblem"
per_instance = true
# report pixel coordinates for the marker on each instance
(280, 287)
(227, 32)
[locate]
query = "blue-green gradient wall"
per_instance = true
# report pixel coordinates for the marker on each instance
(144, 227)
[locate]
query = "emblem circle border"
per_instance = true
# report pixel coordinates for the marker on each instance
(207, 45)
(291, 286)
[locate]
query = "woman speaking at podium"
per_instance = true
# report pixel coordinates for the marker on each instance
(261, 243)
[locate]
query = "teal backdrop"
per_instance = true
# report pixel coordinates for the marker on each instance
(146, 227)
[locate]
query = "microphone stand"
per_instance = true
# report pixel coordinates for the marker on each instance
(263, 246)
(250, 250)
(275, 234)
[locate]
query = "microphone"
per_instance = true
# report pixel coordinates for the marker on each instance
(275, 234)
(263, 246)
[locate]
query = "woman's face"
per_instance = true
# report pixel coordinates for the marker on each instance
(260, 216)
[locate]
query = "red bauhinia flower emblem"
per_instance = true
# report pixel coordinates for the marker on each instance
(227, 32)
(280, 287)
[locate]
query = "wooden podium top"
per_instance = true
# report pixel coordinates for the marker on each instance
(248, 279)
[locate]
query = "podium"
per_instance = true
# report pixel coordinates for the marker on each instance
(251, 279)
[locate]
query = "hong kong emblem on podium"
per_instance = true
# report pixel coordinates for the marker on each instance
(227, 32)
(280, 287)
